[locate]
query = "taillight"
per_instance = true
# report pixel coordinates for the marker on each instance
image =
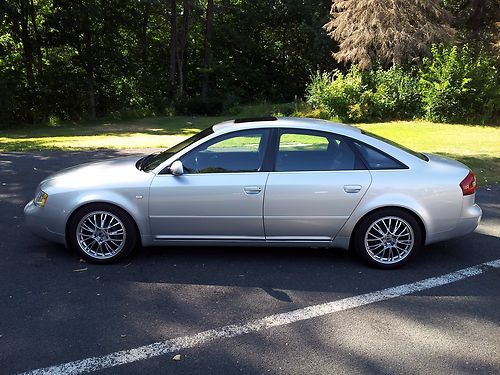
(468, 184)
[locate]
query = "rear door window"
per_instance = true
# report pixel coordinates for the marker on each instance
(306, 150)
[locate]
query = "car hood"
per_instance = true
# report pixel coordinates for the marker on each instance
(120, 172)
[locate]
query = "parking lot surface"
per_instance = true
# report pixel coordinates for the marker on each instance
(57, 311)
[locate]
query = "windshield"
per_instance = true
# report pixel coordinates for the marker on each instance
(150, 162)
(392, 143)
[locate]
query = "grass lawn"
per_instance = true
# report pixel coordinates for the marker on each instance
(138, 133)
(476, 146)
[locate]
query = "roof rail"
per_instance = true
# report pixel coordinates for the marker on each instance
(255, 119)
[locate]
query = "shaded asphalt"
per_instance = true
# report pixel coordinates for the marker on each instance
(55, 309)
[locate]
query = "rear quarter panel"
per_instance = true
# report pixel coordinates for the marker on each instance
(432, 192)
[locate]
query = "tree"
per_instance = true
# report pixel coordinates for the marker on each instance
(477, 22)
(182, 50)
(390, 32)
(173, 40)
(22, 17)
(207, 48)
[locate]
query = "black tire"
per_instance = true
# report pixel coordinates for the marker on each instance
(410, 240)
(122, 219)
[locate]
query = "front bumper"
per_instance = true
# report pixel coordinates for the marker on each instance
(38, 220)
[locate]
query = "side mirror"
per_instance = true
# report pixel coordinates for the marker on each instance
(177, 169)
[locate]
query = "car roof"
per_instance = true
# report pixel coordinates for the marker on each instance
(285, 122)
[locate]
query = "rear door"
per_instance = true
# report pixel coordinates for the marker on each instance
(317, 182)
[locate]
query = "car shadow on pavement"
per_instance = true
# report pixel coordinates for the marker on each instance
(49, 296)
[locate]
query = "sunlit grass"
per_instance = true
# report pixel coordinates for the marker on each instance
(442, 138)
(476, 146)
(157, 132)
(89, 142)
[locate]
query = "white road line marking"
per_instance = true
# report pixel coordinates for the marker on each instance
(233, 330)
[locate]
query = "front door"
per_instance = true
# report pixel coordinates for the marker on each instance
(220, 194)
(315, 186)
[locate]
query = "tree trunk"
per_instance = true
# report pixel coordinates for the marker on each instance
(207, 55)
(28, 53)
(89, 70)
(144, 33)
(182, 55)
(91, 94)
(20, 27)
(38, 39)
(173, 40)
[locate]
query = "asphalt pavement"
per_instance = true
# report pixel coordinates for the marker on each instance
(55, 310)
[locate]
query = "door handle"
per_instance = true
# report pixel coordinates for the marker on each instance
(352, 188)
(252, 189)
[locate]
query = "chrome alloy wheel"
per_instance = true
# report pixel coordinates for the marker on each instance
(100, 234)
(389, 240)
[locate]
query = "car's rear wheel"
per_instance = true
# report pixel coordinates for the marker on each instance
(102, 233)
(388, 238)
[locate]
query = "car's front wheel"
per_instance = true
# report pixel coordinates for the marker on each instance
(102, 233)
(388, 238)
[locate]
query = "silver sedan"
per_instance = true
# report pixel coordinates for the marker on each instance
(262, 182)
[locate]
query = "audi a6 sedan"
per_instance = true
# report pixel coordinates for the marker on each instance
(262, 182)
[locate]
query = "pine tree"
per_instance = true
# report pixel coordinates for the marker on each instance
(388, 31)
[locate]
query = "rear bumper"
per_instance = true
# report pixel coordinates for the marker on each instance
(36, 219)
(467, 223)
(470, 220)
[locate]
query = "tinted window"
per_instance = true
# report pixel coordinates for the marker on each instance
(401, 147)
(236, 152)
(152, 161)
(302, 150)
(303, 142)
(376, 159)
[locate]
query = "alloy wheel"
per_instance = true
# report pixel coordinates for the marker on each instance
(389, 240)
(101, 234)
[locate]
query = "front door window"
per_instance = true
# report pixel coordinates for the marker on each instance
(232, 153)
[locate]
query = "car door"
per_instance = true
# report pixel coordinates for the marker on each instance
(220, 194)
(316, 183)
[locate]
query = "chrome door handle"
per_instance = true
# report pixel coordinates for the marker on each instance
(252, 189)
(352, 188)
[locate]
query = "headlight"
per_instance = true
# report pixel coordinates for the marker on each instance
(40, 198)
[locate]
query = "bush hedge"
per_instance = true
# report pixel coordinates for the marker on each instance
(454, 84)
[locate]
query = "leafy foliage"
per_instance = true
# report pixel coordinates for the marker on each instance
(397, 94)
(477, 22)
(362, 96)
(455, 84)
(80, 59)
(71, 60)
(459, 84)
(343, 95)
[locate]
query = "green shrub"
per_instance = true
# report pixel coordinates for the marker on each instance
(459, 85)
(362, 96)
(313, 113)
(397, 94)
(453, 85)
(346, 97)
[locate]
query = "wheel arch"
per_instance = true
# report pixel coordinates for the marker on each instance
(417, 218)
(96, 203)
